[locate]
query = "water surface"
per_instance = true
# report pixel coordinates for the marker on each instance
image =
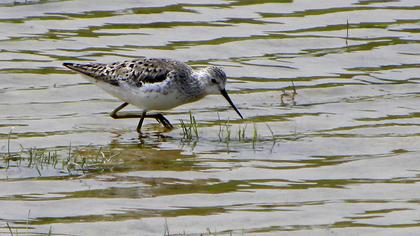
(340, 157)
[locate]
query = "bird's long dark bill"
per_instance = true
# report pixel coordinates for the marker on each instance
(224, 93)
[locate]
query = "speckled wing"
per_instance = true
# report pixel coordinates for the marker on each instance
(135, 72)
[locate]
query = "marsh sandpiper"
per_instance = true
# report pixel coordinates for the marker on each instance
(154, 84)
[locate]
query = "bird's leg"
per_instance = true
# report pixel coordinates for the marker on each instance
(125, 115)
(143, 115)
(114, 114)
(161, 119)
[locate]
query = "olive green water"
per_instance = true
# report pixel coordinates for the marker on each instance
(342, 156)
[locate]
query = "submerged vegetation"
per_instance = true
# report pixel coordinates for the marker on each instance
(78, 160)
(189, 129)
(288, 96)
(71, 161)
(75, 160)
(226, 133)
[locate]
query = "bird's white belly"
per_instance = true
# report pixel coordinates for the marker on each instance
(151, 100)
(148, 97)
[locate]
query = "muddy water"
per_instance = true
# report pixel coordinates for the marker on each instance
(339, 158)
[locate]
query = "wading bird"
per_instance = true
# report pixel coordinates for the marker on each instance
(154, 84)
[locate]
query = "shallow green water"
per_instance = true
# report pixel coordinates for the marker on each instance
(342, 157)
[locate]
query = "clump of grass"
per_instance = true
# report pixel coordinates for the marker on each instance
(219, 122)
(39, 158)
(68, 161)
(227, 128)
(8, 143)
(27, 230)
(347, 33)
(289, 95)
(227, 132)
(189, 129)
(89, 159)
(242, 133)
(273, 137)
(254, 136)
(9, 156)
(31, 157)
(166, 228)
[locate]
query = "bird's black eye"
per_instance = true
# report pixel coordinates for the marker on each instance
(213, 81)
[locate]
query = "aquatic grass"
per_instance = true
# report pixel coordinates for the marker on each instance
(39, 158)
(227, 139)
(241, 133)
(186, 132)
(194, 125)
(166, 228)
(69, 161)
(9, 156)
(33, 156)
(347, 34)
(8, 143)
(271, 132)
(290, 95)
(90, 159)
(254, 136)
(225, 132)
(49, 233)
(189, 128)
(27, 220)
(219, 122)
(226, 129)
(208, 232)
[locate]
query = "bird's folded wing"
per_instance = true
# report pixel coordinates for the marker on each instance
(135, 72)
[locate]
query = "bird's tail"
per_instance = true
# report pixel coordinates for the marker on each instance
(101, 72)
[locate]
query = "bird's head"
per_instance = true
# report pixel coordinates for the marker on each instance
(216, 82)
